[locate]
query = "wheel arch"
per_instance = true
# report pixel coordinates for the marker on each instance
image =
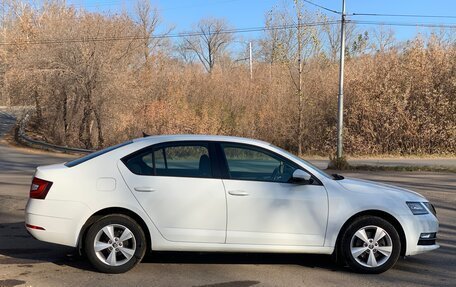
(378, 213)
(114, 210)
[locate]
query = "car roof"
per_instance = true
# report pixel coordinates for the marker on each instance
(191, 137)
(152, 140)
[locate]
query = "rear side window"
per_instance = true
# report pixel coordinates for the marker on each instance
(95, 154)
(191, 160)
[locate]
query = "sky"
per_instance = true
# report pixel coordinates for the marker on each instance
(182, 15)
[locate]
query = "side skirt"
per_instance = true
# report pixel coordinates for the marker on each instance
(222, 247)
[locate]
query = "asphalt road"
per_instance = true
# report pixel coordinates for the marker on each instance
(25, 261)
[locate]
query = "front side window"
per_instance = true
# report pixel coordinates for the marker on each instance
(245, 163)
(190, 160)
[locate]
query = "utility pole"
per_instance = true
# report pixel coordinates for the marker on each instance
(250, 60)
(340, 105)
(300, 94)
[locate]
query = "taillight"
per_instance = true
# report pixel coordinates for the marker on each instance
(35, 227)
(39, 188)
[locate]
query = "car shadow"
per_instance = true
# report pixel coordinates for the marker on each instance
(19, 247)
(305, 260)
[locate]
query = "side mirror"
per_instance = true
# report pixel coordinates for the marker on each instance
(301, 176)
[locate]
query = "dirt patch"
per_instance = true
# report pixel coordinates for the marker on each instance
(246, 283)
(14, 251)
(10, 282)
(23, 261)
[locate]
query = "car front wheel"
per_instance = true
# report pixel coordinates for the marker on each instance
(115, 244)
(370, 245)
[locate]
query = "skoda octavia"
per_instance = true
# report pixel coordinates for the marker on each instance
(216, 193)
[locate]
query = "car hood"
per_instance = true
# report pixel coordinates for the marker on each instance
(360, 185)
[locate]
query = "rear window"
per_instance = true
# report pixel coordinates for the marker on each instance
(180, 160)
(95, 154)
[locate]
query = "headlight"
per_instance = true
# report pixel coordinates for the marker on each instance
(430, 207)
(417, 208)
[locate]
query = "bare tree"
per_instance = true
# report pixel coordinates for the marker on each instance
(148, 20)
(275, 44)
(183, 53)
(293, 40)
(331, 37)
(383, 39)
(210, 43)
(67, 80)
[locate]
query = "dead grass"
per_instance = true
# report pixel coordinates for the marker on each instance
(401, 168)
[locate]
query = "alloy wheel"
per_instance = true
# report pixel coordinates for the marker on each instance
(371, 246)
(114, 245)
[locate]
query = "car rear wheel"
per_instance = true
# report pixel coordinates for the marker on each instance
(115, 244)
(370, 245)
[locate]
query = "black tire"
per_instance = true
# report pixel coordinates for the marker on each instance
(126, 261)
(390, 241)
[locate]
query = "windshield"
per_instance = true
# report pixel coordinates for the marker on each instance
(319, 171)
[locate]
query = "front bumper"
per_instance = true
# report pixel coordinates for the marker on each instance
(414, 226)
(61, 220)
(422, 249)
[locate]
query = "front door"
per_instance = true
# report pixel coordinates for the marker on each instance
(264, 207)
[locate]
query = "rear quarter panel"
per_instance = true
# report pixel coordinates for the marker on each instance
(95, 185)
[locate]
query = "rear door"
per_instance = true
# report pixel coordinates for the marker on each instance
(179, 186)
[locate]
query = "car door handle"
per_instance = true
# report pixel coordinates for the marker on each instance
(144, 189)
(238, 192)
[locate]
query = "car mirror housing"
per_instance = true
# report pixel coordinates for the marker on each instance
(301, 176)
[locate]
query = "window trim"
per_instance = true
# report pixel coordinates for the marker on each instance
(213, 157)
(225, 169)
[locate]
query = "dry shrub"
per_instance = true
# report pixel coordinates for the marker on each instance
(97, 93)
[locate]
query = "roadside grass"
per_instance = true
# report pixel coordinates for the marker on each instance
(392, 156)
(366, 167)
(342, 164)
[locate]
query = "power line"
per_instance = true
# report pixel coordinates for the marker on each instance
(198, 5)
(321, 7)
(403, 15)
(97, 4)
(428, 25)
(226, 31)
(163, 36)
(119, 2)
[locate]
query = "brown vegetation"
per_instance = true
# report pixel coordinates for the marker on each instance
(98, 79)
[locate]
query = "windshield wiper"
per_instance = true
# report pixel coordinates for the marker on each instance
(337, 176)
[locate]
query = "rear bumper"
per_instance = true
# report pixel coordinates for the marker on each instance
(61, 220)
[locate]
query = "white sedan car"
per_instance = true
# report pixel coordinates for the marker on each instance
(216, 193)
